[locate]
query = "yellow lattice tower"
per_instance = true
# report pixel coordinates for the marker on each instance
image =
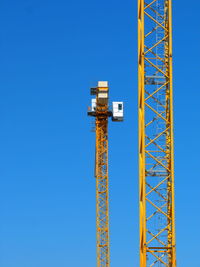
(100, 110)
(156, 141)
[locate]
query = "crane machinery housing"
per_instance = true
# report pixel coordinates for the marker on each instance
(100, 110)
(156, 139)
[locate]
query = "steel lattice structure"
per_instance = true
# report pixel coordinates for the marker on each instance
(101, 114)
(100, 110)
(156, 141)
(103, 258)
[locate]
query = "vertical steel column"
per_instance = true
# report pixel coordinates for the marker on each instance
(100, 110)
(102, 217)
(156, 140)
(141, 119)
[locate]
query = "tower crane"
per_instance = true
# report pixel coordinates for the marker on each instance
(156, 139)
(100, 110)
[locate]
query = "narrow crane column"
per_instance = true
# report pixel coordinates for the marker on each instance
(100, 110)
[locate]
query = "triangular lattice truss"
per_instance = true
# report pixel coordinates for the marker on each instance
(156, 152)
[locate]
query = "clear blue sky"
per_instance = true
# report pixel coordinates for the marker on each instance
(51, 53)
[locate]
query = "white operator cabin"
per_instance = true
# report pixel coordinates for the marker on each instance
(117, 111)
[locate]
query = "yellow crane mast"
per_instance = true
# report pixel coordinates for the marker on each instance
(100, 110)
(156, 140)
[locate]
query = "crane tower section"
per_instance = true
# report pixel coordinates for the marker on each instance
(100, 110)
(156, 141)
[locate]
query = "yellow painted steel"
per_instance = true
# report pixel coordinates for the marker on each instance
(156, 140)
(101, 173)
(103, 258)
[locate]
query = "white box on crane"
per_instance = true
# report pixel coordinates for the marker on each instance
(103, 84)
(94, 104)
(118, 111)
